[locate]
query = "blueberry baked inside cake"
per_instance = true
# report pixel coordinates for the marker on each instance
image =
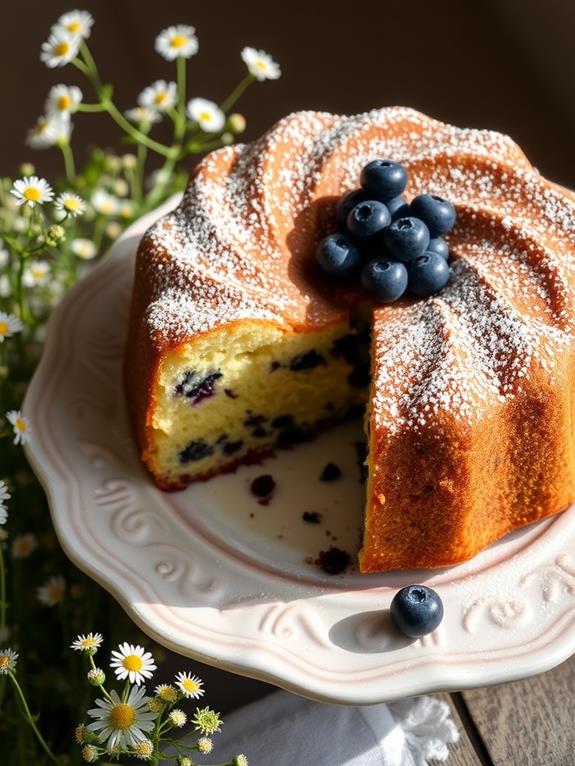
(389, 262)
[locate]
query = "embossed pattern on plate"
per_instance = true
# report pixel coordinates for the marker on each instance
(213, 575)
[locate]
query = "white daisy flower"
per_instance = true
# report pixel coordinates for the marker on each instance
(208, 115)
(76, 23)
(167, 693)
(36, 273)
(52, 592)
(132, 662)
(20, 425)
(260, 64)
(8, 659)
(83, 248)
(5, 288)
(89, 754)
(71, 204)
(190, 686)
(9, 325)
(144, 749)
(142, 115)
(60, 48)
(177, 718)
(32, 191)
(159, 96)
(87, 642)
(63, 99)
(120, 723)
(175, 42)
(23, 545)
(104, 203)
(48, 131)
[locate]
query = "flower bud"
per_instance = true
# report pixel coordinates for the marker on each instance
(240, 760)
(89, 753)
(113, 230)
(237, 123)
(112, 163)
(27, 169)
(96, 676)
(205, 745)
(227, 139)
(129, 161)
(55, 235)
(184, 760)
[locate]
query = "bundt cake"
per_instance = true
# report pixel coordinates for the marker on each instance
(236, 344)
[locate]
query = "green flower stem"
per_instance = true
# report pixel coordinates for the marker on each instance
(180, 121)
(99, 227)
(90, 108)
(90, 64)
(30, 718)
(228, 102)
(69, 164)
(101, 687)
(3, 602)
(139, 174)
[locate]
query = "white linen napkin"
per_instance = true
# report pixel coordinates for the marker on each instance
(285, 730)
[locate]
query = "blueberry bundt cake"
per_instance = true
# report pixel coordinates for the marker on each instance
(237, 345)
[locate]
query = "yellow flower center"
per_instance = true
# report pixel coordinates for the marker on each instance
(62, 48)
(32, 193)
(64, 102)
(168, 694)
(144, 748)
(261, 64)
(190, 685)
(132, 662)
(4, 328)
(122, 716)
(20, 425)
(205, 117)
(74, 26)
(40, 127)
(72, 205)
(178, 41)
(4, 663)
(38, 273)
(23, 547)
(160, 97)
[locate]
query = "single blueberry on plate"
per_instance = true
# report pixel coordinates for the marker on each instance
(345, 205)
(437, 213)
(428, 274)
(337, 256)
(368, 220)
(416, 610)
(438, 245)
(398, 208)
(385, 280)
(406, 239)
(383, 179)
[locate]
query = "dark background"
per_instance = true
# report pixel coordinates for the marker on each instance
(502, 64)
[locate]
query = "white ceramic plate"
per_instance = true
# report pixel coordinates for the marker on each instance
(213, 575)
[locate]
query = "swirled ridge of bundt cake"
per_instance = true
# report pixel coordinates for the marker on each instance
(236, 345)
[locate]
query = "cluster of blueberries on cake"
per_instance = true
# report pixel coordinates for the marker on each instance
(392, 245)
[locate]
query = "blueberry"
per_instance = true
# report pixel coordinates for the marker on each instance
(406, 239)
(428, 274)
(337, 256)
(398, 208)
(283, 421)
(383, 179)
(416, 610)
(437, 213)
(196, 450)
(367, 220)
(263, 486)
(307, 361)
(197, 387)
(385, 280)
(345, 205)
(438, 245)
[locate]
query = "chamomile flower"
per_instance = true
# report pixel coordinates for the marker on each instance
(23, 545)
(83, 248)
(45, 132)
(178, 41)
(80, 734)
(208, 115)
(122, 723)
(142, 115)
(4, 496)
(177, 718)
(70, 204)
(104, 203)
(52, 592)
(89, 753)
(60, 48)
(167, 693)
(144, 749)
(205, 745)
(63, 100)
(20, 426)
(36, 273)
(260, 64)
(87, 642)
(132, 662)
(9, 325)
(76, 23)
(159, 96)
(8, 660)
(190, 686)
(32, 191)
(207, 721)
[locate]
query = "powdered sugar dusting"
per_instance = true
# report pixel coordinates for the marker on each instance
(240, 244)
